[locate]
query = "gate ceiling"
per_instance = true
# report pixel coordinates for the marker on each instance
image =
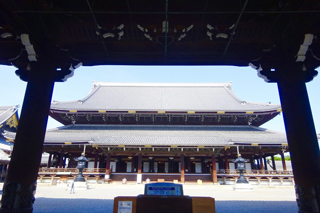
(161, 32)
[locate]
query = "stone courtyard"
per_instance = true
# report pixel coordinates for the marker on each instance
(99, 198)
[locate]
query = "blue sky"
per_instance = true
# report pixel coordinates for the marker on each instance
(245, 82)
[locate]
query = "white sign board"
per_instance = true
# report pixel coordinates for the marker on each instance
(125, 207)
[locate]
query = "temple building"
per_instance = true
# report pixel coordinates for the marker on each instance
(46, 44)
(8, 120)
(169, 131)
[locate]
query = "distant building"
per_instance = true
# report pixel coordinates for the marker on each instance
(151, 130)
(8, 122)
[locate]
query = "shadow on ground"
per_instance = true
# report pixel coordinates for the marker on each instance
(256, 206)
(54, 205)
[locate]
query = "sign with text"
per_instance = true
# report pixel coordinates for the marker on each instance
(125, 205)
(164, 189)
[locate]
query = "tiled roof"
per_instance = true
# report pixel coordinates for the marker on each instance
(6, 112)
(4, 156)
(163, 97)
(5, 146)
(162, 135)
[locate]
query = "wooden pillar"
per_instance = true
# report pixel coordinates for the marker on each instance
(273, 163)
(226, 162)
(20, 184)
(261, 162)
(64, 162)
(284, 166)
(139, 163)
(258, 163)
(189, 165)
(132, 164)
(265, 163)
(101, 161)
(182, 167)
(107, 175)
(301, 135)
(139, 175)
(49, 160)
(220, 161)
(252, 162)
(151, 165)
(214, 170)
(96, 160)
(170, 165)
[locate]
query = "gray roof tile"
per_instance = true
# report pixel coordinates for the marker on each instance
(4, 156)
(163, 97)
(6, 112)
(160, 135)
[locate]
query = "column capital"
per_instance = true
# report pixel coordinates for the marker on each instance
(56, 64)
(286, 60)
(57, 72)
(285, 71)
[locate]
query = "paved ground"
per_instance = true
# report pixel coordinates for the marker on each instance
(100, 199)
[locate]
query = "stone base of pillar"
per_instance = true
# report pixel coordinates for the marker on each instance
(243, 187)
(139, 178)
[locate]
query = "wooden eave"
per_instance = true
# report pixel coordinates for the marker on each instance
(266, 116)
(61, 31)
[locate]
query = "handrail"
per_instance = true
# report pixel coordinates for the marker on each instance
(94, 170)
(71, 170)
(255, 172)
(219, 171)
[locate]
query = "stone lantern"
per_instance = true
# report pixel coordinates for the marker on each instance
(81, 165)
(241, 166)
(242, 184)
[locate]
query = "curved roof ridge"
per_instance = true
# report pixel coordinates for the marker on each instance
(9, 107)
(162, 97)
(93, 90)
(13, 110)
(233, 94)
(123, 84)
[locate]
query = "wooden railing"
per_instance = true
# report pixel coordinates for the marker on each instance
(71, 170)
(220, 171)
(255, 172)
(96, 170)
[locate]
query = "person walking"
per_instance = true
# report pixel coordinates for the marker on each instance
(72, 188)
